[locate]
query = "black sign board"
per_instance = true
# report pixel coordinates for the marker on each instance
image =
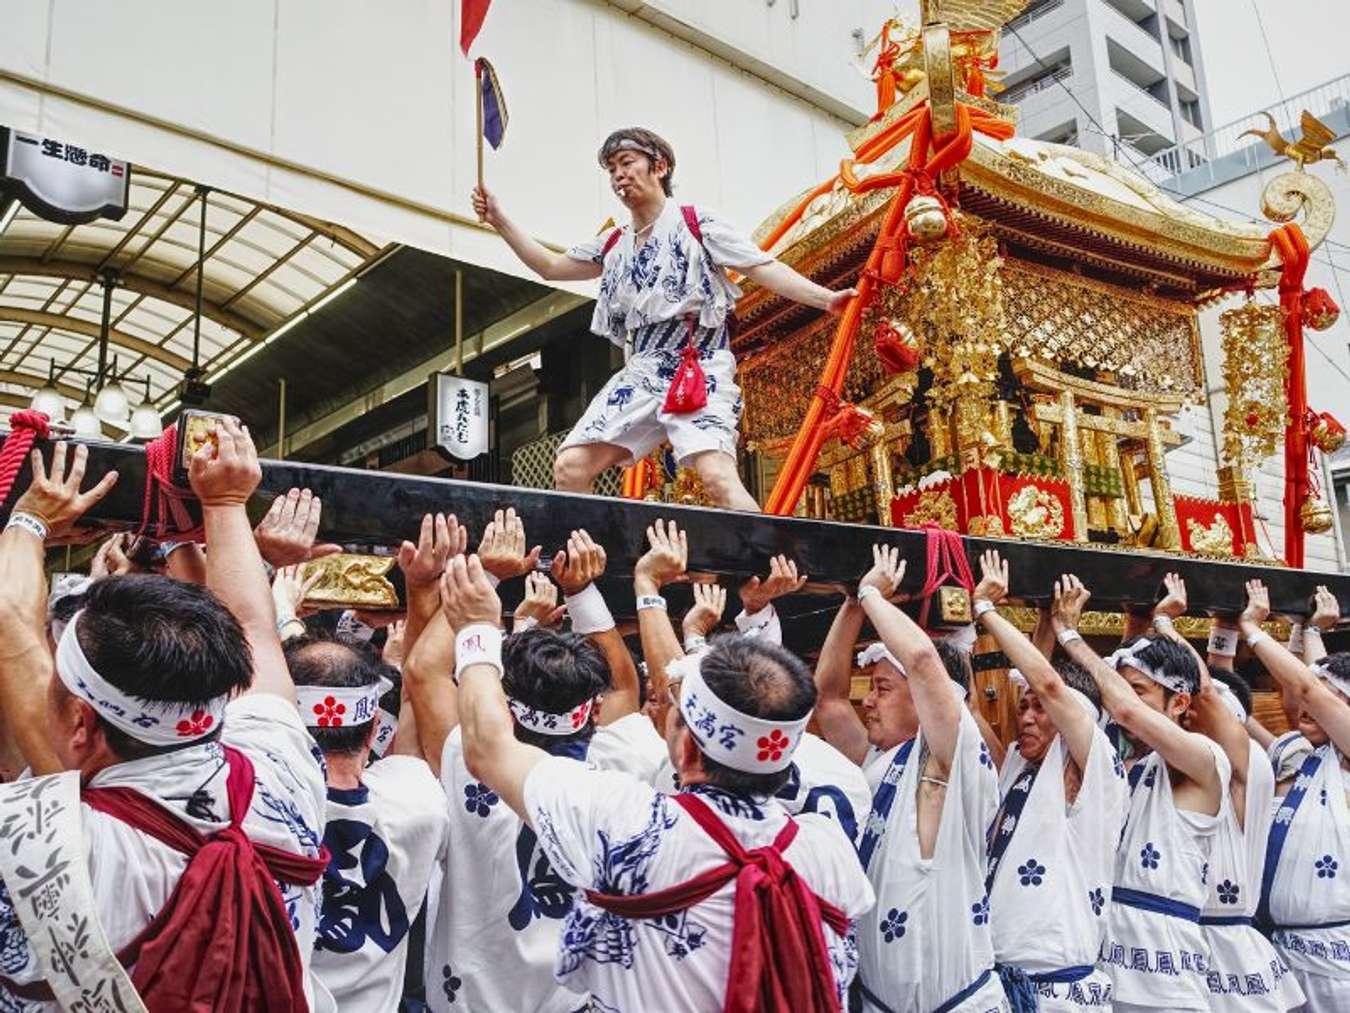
(62, 182)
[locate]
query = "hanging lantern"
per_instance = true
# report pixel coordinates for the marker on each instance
(925, 220)
(897, 347)
(1320, 311)
(1315, 515)
(1326, 433)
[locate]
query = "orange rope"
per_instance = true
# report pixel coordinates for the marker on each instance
(885, 264)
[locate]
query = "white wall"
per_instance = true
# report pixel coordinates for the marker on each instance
(363, 113)
(1327, 353)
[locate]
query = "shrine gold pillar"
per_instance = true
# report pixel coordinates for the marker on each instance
(1129, 475)
(1108, 448)
(1071, 458)
(883, 477)
(1169, 531)
(939, 432)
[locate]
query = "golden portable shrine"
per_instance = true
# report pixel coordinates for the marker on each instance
(1027, 330)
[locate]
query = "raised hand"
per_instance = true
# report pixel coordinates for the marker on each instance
(467, 596)
(1258, 605)
(1326, 609)
(291, 586)
(1066, 608)
(485, 206)
(54, 497)
(392, 654)
(667, 559)
(541, 601)
(111, 559)
(783, 579)
(993, 585)
(440, 538)
(224, 472)
(710, 602)
(285, 536)
(888, 570)
(581, 564)
(502, 551)
(1173, 604)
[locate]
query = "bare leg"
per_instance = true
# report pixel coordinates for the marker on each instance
(722, 480)
(575, 468)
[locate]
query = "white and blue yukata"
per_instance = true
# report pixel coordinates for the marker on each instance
(1051, 865)
(1245, 972)
(1155, 949)
(926, 946)
(610, 832)
(1305, 903)
(134, 875)
(384, 837)
(650, 298)
(501, 906)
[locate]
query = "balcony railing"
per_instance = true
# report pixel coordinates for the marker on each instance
(1033, 14)
(1021, 91)
(1140, 88)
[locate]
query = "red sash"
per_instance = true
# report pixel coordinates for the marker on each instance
(224, 940)
(779, 963)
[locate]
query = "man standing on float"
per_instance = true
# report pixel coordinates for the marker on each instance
(664, 287)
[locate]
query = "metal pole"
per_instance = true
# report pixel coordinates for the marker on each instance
(281, 422)
(105, 325)
(201, 271)
(459, 322)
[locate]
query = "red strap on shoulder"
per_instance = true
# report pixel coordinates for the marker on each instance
(610, 240)
(691, 220)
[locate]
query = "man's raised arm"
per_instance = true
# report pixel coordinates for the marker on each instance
(223, 474)
(839, 722)
(533, 254)
(1060, 703)
(577, 569)
(47, 509)
(663, 563)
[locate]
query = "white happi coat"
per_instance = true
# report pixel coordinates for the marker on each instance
(1245, 972)
(928, 939)
(1159, 960)
(384, 838)
(1052, 888)
(494, 939)
(134, 875)
(1310, 889)
(610, 832)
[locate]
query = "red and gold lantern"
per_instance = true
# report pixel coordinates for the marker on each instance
(1326, 433)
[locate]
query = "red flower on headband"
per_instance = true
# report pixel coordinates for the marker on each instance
(771, 746)
(580, 715)
(198, 724)
(330, 712)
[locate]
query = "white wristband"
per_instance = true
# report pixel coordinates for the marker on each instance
(868, 592)
(33, 525)
(525, 623)
(1067, 637)
(651, 601)
(694, 642)
(1164, 624)
(479, 644)
(1312, 631)
(1260, 636)
(983, 607)
(588, 610)
(1296, 638)
(1223, 642)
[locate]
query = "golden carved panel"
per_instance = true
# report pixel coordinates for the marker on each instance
(353, 580)
(1150, 344)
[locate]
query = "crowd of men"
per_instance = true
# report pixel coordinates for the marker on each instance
(214, 801)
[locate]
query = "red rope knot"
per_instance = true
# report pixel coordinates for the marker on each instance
(848, 423)
(164, 508)
(25, 428)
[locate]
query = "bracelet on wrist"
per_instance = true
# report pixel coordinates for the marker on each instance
(869, 591)
(694, 642)
(1067, 637)
(478, 644)
(651, 601)
(1258, 637)
(982, 608)
(31, 523)
(1163, 623)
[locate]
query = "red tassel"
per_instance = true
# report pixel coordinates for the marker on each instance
(689, 390)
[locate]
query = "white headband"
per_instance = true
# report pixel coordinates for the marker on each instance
(385, 724)
(548, 723)
(340, 706)
(350, 626)
(154, 722)
(628, 144)
(1130, 656)
(1231, 701)
(873, 653)
(748, 744)
(1336, 682)
(1018, 679)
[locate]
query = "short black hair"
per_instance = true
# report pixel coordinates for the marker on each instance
(1240, 687)
(1338, 664)
(955, 661)
(161, 639)
(339, 664)
(1075, 676)
(1170, 658)
(648, 140)
(553, 672)
(762, 679)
